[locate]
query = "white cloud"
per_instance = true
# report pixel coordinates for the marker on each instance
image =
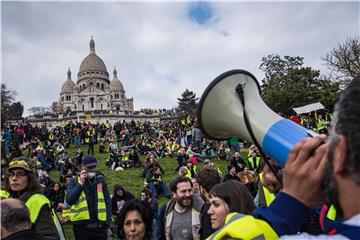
(156, 48)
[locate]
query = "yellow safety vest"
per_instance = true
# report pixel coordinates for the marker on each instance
(34, 204)
(4, 194)
(124, 158)
(240, 226)
(65, 213)
(253, 161)
(79, 211)
(320, 124)
(89, 134)
(331, 214)
(188, 173)
(269, 197)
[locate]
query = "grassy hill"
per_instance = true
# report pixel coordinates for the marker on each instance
(130, 179)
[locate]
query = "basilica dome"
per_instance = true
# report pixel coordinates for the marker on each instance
(69, 85)
(92, 62)
(115, 84)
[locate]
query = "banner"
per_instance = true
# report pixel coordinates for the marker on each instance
(309, 108)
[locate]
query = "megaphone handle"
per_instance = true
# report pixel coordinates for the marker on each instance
(240, 92)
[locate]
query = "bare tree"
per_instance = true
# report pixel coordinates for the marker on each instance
(344, 59)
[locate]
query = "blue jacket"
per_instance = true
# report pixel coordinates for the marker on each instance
(90, 188)
(286, 215)
(7, 136)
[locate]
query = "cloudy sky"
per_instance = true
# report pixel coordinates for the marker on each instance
(160, 49)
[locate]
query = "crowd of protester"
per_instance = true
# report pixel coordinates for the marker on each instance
(202, 202)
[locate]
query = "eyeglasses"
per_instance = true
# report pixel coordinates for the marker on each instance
(18, 162)
(17, 174)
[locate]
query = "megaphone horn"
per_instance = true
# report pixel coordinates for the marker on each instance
(231, 106)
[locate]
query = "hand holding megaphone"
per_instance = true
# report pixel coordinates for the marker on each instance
(232, 106)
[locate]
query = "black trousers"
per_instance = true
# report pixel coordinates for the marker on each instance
(85, 233)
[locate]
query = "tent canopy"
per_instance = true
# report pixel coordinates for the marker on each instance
(309, 108)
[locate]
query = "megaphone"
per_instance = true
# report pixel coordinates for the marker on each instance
(231, 106)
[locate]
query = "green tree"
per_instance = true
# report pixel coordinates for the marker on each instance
(344, 60)
(288, 84)
(188, 103)
(9, 108)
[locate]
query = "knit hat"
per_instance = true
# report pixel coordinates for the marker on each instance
(90, 161)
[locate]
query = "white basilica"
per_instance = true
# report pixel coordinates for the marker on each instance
(93, 90)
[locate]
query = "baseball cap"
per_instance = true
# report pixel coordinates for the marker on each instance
(22, 163)
(90, 161)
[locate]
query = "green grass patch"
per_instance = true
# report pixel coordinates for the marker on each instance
(130, 179)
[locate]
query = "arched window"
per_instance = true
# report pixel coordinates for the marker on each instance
(102, 86)
(98, 85)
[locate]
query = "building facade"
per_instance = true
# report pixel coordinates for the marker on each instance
(93, 91)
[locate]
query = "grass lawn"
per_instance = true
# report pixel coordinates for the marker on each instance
(130, 179)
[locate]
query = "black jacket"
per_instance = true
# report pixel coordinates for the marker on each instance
(21, 235)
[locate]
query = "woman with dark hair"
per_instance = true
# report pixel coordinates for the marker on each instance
(228, 197)
(135, 221)
(21, 183)
(55, 193)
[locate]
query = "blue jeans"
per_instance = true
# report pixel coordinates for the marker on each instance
(7, 147)
(77, 140)
(155, 189)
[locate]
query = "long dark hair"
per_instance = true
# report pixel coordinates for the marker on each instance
(32, 187)
(236, 195)
(145, 212)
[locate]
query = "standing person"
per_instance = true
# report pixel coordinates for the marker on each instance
(21, 183)
(90, 139)
(180, 217)
(196, 136)
(15, 220)
(207, 178)
(89, 198)
(7, 137)
(77, 133)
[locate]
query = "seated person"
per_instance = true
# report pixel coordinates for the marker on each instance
(55, 194)
(134, 158)
(181, 158)
(221, 152)
(232, 174)
(119, 199)
(155, 182)
(124, 159)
